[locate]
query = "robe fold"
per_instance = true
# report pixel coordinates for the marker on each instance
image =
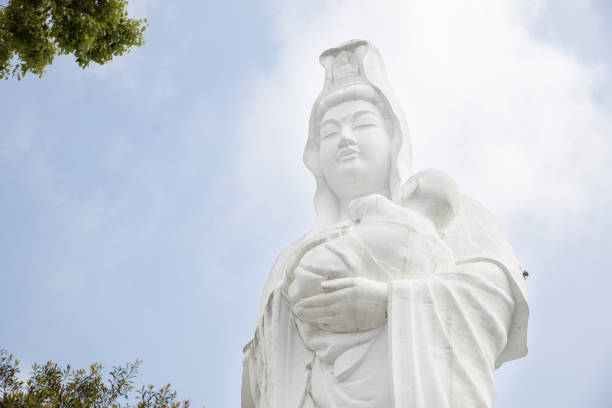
(445, 333)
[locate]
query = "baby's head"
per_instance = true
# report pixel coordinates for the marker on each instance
(434, 195)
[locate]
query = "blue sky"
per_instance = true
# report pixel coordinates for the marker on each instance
(142, 203)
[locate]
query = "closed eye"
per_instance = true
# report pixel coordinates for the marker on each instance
(364, 126)
(366, 120)
(329, 129)
(329, 135)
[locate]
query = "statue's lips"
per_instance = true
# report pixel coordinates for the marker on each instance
(347, 153)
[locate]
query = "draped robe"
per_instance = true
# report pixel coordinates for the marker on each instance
(445, 333)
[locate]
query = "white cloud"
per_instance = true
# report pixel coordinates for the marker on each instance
(513, 119)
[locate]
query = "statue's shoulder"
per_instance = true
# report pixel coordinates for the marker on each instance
(287, 252)
(475, 233)
(476, 236)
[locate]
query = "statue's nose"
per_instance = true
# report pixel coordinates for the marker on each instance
(346, 138)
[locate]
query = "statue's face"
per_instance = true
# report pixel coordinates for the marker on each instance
(354, 149)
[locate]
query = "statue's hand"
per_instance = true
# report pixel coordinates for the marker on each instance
(348, 305)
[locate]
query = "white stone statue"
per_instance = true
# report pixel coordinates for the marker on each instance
(405, 293)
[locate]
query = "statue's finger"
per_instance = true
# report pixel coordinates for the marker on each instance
(325, 299)
(339, 327)
(319, 314)
(334, 320)
(337, 284)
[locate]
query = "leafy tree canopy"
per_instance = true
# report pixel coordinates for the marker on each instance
(33, 32)
(50, 386)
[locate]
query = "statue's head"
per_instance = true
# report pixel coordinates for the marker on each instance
(358, 142)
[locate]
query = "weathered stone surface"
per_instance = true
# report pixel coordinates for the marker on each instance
(405, 293)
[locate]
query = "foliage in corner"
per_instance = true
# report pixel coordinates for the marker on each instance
(50, 386)
(33, 32)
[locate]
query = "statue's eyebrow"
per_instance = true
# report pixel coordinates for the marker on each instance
(363, 112)
(329, 122)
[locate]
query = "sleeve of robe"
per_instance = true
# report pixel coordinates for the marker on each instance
(274, 362)
(448, 332)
